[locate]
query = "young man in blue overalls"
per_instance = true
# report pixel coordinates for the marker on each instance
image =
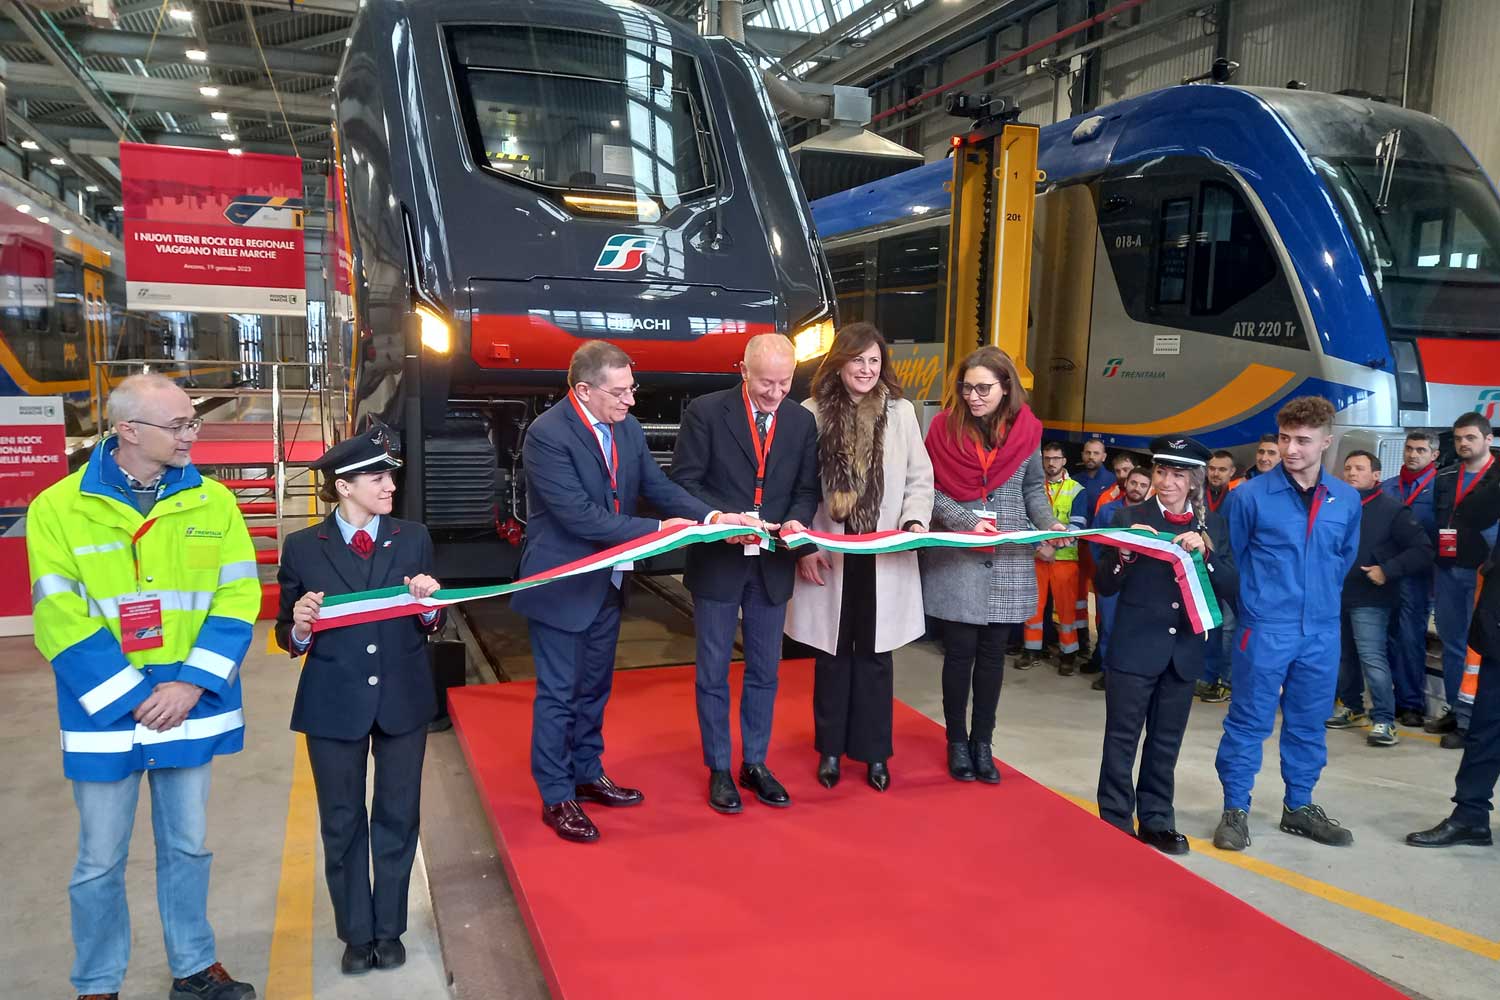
(1295, 534)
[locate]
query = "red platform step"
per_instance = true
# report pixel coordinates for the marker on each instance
(248, 484)
(267, 557)
(258, 507)
(262, 531)
(270, 601)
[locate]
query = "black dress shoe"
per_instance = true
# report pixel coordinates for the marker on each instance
(758, 778)
(879, 776)
(828, 770)
(604, 792)
(960, 762)
(1166, 841)
(722, 796)
(390, 953)
(1454, 740)
(984, 763)
(1450, 834)
(570, 822)
(1411, 718)
(358, 958)
(1447, 723)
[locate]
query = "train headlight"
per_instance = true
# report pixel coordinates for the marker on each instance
(813, 340)
(437, 332)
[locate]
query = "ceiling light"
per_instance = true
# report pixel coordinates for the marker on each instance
(196, 55)
(44, 219)
(91, 188)
(236, 151)
(24, 209)
(227, 136)
(209, 91)
(29, 144)
(180, 14)
(614, 123)
(220, 116)
(58, 161)
(67, 232)
(119, 208)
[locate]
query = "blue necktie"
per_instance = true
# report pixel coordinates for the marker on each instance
(607, 437)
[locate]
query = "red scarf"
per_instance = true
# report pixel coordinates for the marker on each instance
(956, 468)
(1178, 520)
(1409, 478)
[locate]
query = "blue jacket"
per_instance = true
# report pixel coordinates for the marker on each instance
(1421, 505)
(1093, 485)
(571, 514)
(1291, 576)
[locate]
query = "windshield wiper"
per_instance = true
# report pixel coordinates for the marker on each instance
(1387, 150)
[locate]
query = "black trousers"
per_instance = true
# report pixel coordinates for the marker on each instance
(854, 689)
(1480, 767)
(973, 656)
(1161, 704)
(388, 832)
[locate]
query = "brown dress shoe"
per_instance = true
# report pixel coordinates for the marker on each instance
(606, 793)
(570, 822)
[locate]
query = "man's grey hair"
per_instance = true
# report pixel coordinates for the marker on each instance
(768, 344)
(129, 400)
(593, 359)
(1428, 436)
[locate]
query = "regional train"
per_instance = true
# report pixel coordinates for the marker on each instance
(1204, 252)
(513, 179)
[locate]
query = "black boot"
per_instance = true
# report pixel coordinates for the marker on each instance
(828, 770)
(984, 763)
(1067, 664)
(960, 765)
(879, 776)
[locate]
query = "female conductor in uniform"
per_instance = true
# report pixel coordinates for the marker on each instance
(365, 687)
(1154, 657)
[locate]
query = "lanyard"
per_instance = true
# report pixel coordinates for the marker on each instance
(762, 448)
(1317, 505)
(1052, 494)
(1420, 485)
(614, 449)
(1208, 496)
(135, 554)
(986, 459)
(1366, 501)
(1460, 491)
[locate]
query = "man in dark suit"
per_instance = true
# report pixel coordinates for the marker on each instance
(746, 449)
(1154, 656)
(1474, 786)
(587, 470)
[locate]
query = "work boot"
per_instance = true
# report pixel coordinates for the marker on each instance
(1028, 659)
(1099, 683)
(1312, 822)
(960, 761)
(213, 983)
(984, 762)
(1446, 723)
(1454, 740)
(1067, 664)
(1233, 833)
(1411, 718)
(1383, 734)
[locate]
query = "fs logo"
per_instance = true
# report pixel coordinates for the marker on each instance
(1112, 367)
(624, 252)
(1488, 405)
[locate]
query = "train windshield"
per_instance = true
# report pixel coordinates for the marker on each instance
(1430, 236)
(583, 112)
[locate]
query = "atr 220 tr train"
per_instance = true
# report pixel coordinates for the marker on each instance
(516, 178)
(1203, 253)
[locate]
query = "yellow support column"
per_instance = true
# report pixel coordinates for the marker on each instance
(1015, 176)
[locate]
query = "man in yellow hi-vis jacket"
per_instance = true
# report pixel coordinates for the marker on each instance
(145, 592)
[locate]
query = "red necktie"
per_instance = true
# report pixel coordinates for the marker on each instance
(362, 544)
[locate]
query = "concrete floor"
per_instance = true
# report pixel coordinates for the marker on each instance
(1426, 921)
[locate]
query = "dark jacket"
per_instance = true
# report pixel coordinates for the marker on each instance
(715, 462)
(1151, 628)
(1389, 537)
(571, 514)
(1484, 629)
(1480, 509)
(359, 676)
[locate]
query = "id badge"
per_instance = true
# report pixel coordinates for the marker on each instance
(624, 567)
(987, 515)
(1448, 543)
(754, 550)
(140, 622)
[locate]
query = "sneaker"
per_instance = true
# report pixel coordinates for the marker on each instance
(1411, 718)
(213, 983)
(1201, 688)
(1312, 822)
(1454, 740)
(1217, 694)
(1346, 718)
(1383, 734)
(1028, 659)
(1233, 833)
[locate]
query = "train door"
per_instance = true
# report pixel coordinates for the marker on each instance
(1062, 303)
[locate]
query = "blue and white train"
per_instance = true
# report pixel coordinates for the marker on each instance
(1203, 253)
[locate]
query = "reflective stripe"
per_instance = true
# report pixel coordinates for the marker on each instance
(124, 740)
(211, 662)
(171, 600)
(110, 691)
(51, 584)
(93, 550)
(230, 572)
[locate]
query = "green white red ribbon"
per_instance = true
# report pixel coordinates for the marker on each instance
(395, 602)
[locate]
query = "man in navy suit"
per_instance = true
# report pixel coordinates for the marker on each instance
(587, 469)
(747, 449)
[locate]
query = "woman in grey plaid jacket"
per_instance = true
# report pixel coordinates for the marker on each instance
(988, 476)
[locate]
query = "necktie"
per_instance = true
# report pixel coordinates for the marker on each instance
(762, 421)
(362, 544)
(607, 437)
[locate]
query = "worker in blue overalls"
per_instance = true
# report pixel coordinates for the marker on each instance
(1295, 534)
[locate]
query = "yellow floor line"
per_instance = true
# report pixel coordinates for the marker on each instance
(291, 973)
(1473, 943)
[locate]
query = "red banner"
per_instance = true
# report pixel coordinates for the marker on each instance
(32, 457)
(207, 231)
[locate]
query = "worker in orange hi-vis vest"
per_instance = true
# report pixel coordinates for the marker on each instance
(1057, 566)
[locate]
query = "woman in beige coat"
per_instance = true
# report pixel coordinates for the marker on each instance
(856, 609)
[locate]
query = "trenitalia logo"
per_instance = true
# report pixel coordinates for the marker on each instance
(1112, 367)
(1488, 405)
(624, 252)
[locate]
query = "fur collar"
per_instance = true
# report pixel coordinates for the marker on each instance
(851, 449)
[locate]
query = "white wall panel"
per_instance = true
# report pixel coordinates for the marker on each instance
(1280, 40)
(1159, 58)
(1468, 77)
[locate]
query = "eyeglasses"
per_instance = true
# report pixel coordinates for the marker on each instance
(179, 429)
(617, 393)
(981, 389)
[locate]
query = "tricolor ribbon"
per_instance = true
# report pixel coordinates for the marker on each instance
(395, 602)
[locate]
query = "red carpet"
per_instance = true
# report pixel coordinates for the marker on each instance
(933, 889)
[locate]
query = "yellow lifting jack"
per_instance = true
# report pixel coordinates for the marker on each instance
(989, 251)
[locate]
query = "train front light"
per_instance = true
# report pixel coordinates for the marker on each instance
(437, 331)
(813, 340)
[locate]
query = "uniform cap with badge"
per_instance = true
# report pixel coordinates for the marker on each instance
(1179, 453)
(367, 452)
